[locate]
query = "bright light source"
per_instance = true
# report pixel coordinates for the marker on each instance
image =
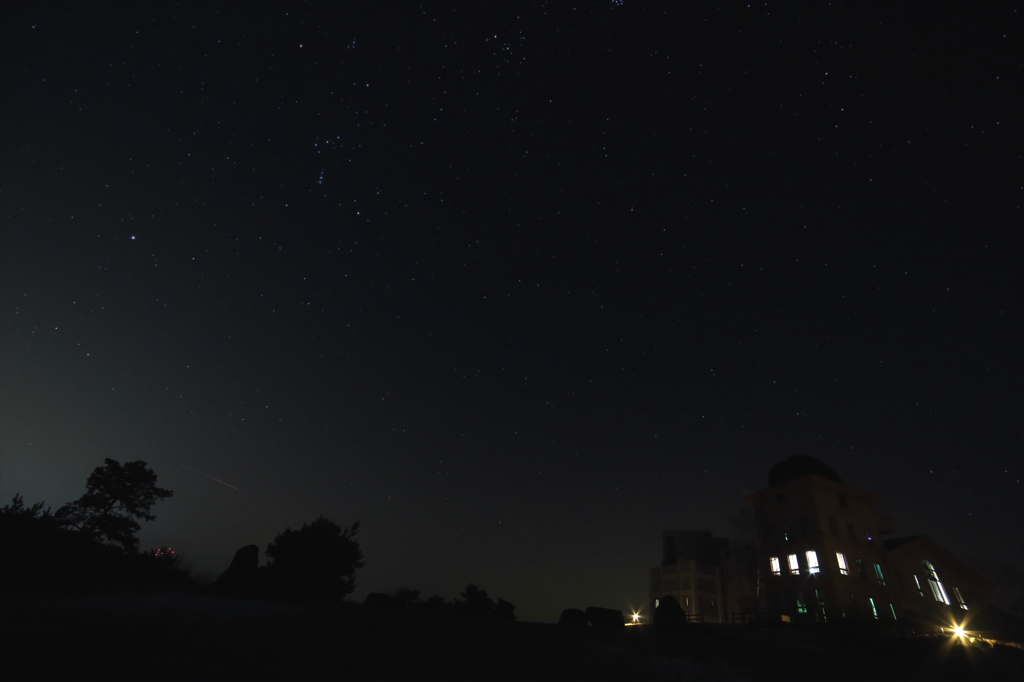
(958, 631)
(636, 617)
(812, 562)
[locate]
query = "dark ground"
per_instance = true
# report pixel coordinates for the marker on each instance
(353, 642)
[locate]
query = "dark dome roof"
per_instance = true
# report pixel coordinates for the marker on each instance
(800, 465)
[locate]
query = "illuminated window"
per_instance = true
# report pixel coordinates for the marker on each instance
(794, 565)
(801, 605)
(938, 591)
(833, 526)
(776, 566)
(871, 605)
(959, 598)
(844, 569)
(812, 561)
(878, 574)
(893, 609)
(657, 603)
(917, 582)
(687, 602)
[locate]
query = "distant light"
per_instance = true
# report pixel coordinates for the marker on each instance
(958, 631)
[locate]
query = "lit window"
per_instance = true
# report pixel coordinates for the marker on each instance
(959, 598)
(917, 582)
(794, 565)
(878, 574)
(657, 603)
(844, 569)
(938, 591)
(801, 605)
(874, 611)
(893, 609)
(812, 561)
(776, 566)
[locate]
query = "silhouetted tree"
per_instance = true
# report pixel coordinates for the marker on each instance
(319, 559)
(34, 547)
(26, 533)
(475, 601)
(505, 610)
(116, 495)
(43, 557)
(406, 597)
(17, 511)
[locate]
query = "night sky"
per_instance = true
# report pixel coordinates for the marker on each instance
(517, 286)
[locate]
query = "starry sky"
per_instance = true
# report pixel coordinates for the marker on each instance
(517, 286)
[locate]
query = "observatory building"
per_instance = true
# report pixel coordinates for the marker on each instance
(821, 553)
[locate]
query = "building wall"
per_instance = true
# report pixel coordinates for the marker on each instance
(697, 586)
(965, 593)
(833, 520)
(826, 517)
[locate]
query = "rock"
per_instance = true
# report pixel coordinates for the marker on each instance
(242, 575)
(378, 600)
(669, 615)
(605, 618)
(573, 618)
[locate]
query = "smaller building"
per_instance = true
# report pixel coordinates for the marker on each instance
(703, 574)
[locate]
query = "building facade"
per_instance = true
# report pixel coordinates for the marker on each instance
(703, 574)
(822, 556)
(819, 556)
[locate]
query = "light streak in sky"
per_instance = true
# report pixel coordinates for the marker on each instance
(210, 477)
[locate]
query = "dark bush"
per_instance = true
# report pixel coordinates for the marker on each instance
(669, 615)
(316, 562)
(605, 618)
(573, 618)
